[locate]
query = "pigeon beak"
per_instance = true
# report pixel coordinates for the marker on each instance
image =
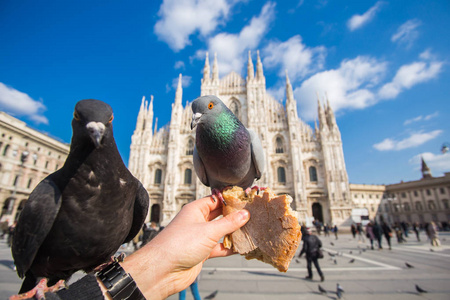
(96, 131)
(195, 119)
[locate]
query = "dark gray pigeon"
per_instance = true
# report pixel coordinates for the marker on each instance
(409, 265)
(77, 218)
(322, 290)
(212, 295)
(225, 153)
(352, 260)
(420, 290)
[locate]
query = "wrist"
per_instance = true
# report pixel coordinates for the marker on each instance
(149, 270)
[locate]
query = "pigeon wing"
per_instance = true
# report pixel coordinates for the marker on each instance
(141, 204)
(200, 168)
(257, 154)
(35, 222)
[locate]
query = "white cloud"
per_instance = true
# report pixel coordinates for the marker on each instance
(179, 65)
(420, 118)
(179, 19)
(408, 76)
(414, 140)
(295, 57)
(347, 87)
(436, 162)
(357, 21)
(15, 102)
(407, 33)
(231, 48)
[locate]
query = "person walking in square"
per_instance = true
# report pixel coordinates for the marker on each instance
(378, 233)
(387, 231)
(416, 229)
(311, 248)
(370, 234)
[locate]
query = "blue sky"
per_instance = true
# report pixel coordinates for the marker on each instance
(383, 64)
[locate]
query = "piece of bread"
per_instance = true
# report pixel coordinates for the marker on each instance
(272, 234)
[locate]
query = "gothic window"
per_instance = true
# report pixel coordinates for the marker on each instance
(279, 145)
(418, 206)
(190, 147)
(158, 176)
(281, 172)
(234, 107)
(396, 207)
(416, 194)
(406, 207)
(187, 176)
(445, 204)
(431, 205)
(312, 174)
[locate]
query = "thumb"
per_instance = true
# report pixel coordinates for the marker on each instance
(230, 223)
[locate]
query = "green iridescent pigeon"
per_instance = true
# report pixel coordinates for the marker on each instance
(225, 153)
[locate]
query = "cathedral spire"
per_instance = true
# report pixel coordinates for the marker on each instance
(250, 70)
(179, 92)
(322, 117)
(330, 114)
(140, 123)
(215, 75)
(206, 70)
(289, 91)
(426, 172)
(259, 67)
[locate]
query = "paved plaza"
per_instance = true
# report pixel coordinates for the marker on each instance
(374, 274)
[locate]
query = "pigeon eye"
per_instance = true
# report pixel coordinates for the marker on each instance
(111, 119)
(76, 116)
(210, 105)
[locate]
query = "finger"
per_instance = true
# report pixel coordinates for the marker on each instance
(214, 214)
(220, 251)
(228, 224)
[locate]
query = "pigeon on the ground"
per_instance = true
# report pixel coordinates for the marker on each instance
(339, 291)
(213, 272)
(297, 260)
(212, 295)
(322, 290)
(409, 265)
(420, 290)
(431, 250)
(352, 260)
(331, 254)
(225, 153)
(331, 243)
(77, 217)
(335, 261)
(350, 252)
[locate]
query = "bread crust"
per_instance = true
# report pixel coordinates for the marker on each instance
(272, 234)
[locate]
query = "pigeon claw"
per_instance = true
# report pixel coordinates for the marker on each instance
(257, 188)
(39, 291)
(216, 193)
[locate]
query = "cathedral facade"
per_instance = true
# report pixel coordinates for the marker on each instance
(304, 162)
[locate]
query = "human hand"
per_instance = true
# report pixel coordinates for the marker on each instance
(174, 258)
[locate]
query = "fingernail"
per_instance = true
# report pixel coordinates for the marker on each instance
(244, 215)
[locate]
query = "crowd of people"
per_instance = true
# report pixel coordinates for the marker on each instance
(374, 231)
